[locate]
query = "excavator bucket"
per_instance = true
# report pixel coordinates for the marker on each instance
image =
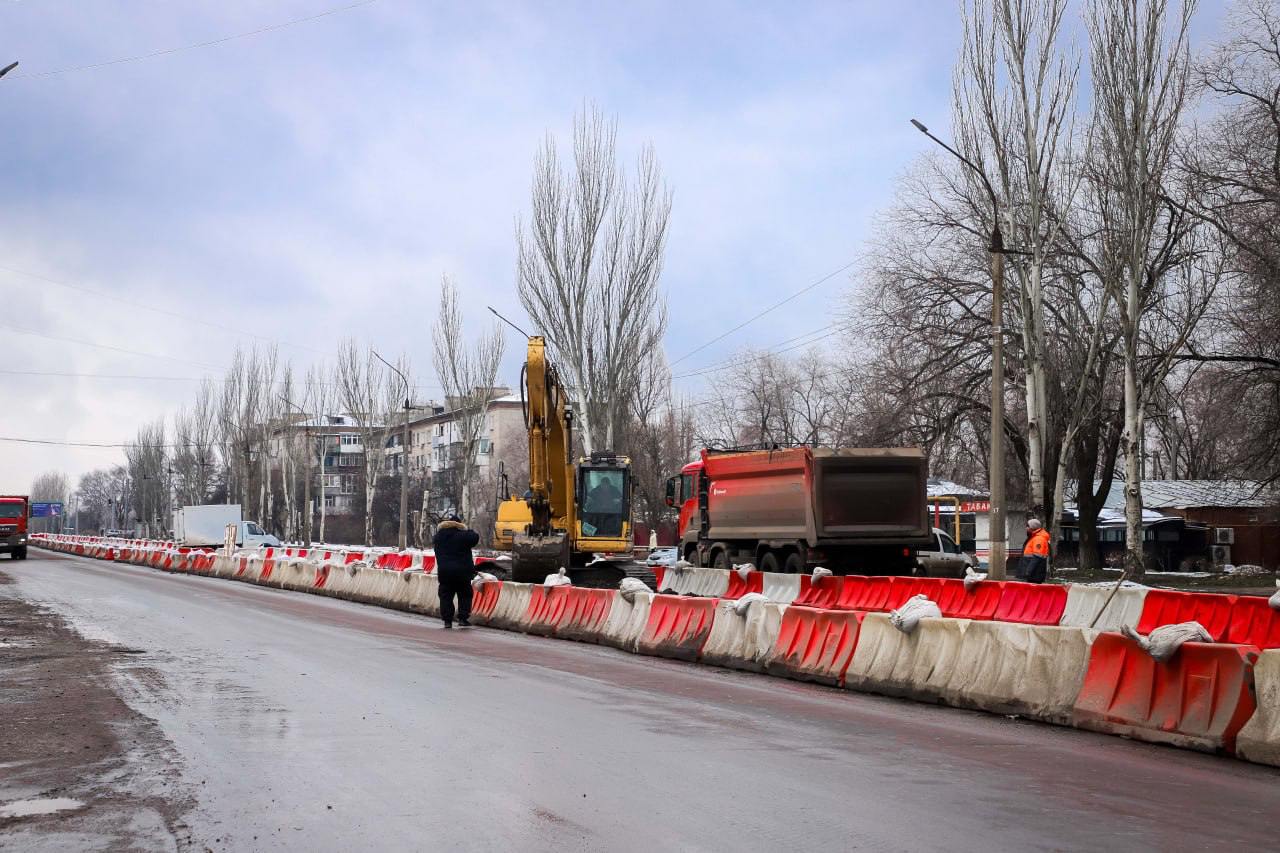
(535, 557)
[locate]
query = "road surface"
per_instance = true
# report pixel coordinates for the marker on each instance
(262, 719)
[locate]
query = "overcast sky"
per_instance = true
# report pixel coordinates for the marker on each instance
(313, 182)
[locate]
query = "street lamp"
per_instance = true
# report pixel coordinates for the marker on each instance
(999, 532)
(404, 456)
(8, 68)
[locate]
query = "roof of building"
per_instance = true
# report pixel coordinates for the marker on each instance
(938, 487)
(1187, 494)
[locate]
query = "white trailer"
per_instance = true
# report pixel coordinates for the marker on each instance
(206, 527)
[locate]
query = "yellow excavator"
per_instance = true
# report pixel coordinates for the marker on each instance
(570, 513)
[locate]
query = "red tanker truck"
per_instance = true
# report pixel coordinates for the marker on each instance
(852, 510)
(13, 525)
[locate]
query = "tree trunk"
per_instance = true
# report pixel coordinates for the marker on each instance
(1132, 445)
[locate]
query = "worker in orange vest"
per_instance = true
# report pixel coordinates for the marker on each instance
(1035, 553)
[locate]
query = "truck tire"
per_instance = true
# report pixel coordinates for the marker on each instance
(720, 558)
(20, 553)
(794, 564)
(769, 562)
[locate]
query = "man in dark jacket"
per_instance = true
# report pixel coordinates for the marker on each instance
(455, 568)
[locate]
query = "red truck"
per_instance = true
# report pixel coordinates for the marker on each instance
(851, 510)
(14, 510)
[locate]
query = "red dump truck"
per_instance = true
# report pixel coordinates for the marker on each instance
(14, 510)
(851, 510)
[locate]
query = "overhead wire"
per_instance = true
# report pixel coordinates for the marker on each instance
(194, 46)
(68, 340)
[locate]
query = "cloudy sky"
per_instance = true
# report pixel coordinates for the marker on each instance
(313, 182)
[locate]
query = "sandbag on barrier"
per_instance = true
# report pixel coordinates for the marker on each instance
(916, 665)
(1084, 602)
(1031, 603)
(1199, 699)
(1032, 670)
(1254, 622)
(1168, 607)
(706, 583)
(1259, 740)
(585, 613)
(512, 608)
(746, 640)
(960, 602)
(815, 645)
(678, 627)
(627, 620)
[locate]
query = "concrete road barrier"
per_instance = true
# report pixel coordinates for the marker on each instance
(512, 609)
(1085, 602)
(586, 612)
(627, 621)
(782, 588)
(814, 644)
(1031, 670)
(916, 665)
(1259, 740)
(1198, 699)
(743, 641)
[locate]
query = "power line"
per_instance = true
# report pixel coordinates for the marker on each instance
(167, 51)
(176, 315)
(23, 331)
(133, 376)
(768, 310)
(789, 345)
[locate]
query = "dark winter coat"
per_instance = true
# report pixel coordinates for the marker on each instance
(453, 543)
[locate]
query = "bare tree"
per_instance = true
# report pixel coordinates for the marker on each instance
(195, 456)
(1014, 115)
(468, 374)
(50, 486)
(316, 403)
(588, 268)
(370, 393)
(148, 460)
(1140, 63)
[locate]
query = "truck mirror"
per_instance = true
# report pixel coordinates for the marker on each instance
(671, 491)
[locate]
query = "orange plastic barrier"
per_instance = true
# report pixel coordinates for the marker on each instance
(815, 645)
(268, 563)
(1167, 607)
(585, 612)
(957, 602)
(677, 626)
(865, 593)
(1031, 603)
(1254, 623)
(485, 598)
(1199, 699)
(739, 587)
(823, 592)
(546, 609)
(322, 577)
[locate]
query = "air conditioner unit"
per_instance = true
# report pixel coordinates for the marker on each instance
(1224, 536)
(1221, 555)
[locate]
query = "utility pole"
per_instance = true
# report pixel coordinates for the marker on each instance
(306, 480)
(404, 457)
(999, 529)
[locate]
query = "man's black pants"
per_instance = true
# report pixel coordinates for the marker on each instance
(1033, 568)
(451, 585)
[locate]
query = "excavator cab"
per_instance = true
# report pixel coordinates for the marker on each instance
(604, 502)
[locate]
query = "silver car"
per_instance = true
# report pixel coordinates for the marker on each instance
(944, 559)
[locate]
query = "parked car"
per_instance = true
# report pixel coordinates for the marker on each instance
(662, 558)
(944, 559)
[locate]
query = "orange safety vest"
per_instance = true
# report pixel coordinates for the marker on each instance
(1038, 543)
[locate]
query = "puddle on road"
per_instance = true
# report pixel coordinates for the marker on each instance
(45, 805)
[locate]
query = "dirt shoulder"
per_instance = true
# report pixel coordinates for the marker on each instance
(79, 769)
(1233, 584)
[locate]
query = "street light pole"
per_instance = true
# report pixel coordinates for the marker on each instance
(999, 530)
(8, 68)
(404, 457)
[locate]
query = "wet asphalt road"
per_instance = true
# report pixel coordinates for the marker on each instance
(306, 723)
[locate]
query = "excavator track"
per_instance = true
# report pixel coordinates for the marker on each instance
(606, 574)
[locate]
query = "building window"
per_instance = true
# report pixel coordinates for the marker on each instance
(349, 440)
(485, 447)
(330, 501)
